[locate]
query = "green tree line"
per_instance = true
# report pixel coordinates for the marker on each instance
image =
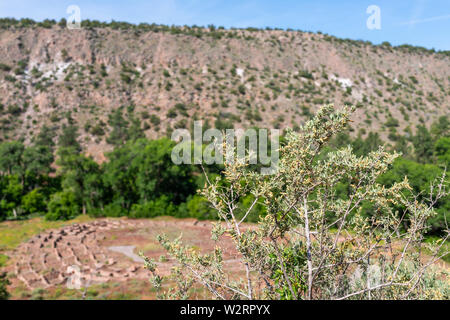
(140, 180)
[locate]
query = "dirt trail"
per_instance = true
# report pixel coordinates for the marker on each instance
(128, 251)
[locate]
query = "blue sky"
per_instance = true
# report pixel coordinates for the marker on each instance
(417, 22)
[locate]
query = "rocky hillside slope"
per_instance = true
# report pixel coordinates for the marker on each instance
(164, 78)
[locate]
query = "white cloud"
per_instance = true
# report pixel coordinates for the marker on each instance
(413, 22)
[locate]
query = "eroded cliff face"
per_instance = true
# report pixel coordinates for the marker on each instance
(166, 80)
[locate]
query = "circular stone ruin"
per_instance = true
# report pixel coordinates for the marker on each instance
(105, 250)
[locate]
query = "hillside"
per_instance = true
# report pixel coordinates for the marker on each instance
(164, 78)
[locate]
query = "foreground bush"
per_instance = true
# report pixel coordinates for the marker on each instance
(311, 243)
